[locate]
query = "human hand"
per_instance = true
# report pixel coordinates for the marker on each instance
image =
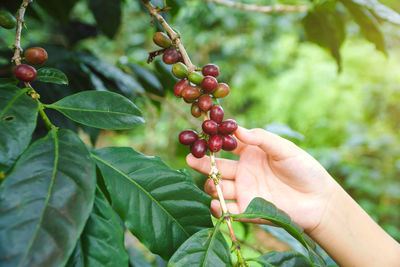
(275, 169)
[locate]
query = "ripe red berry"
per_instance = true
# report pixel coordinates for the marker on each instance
(215, 143)
(179, 86)
(25, 73)
(217, 114)
(210, 70)
(195, 110)
(229, 142)
(209, 84)
(205, 102)
(190, 94)
(199, 148)
(188, 137)
(36, 55)
(222, 90)
(171, 56)
(210, 127)
(227, 127)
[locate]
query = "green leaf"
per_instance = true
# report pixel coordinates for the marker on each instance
(325, 27)
(102, 240)
(51, 75)
(205, 248)
(148, 80)
(107, 14)
(99, 109)
(59, 10)
(45, 201)
(162, 207)
(380, 10)
(286, 259)
(18, 115)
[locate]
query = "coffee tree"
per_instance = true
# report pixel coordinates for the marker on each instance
(63, 203)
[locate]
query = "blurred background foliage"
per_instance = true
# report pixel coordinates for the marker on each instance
(348, 120)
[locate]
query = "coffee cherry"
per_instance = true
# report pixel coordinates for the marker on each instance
(188, 137)
(7, 20)
(217, 114)
(210, 127)
(171, 56)
(227, 127)
(190, 93)
(215, 143)
(222, 90)
(195, 77)
(195, 110)
(229, 142)
(205, 102)
(36, 55)
(161, 39)
(180, 70)
(25, 73)
(179, 86)
(199, 148)
(209, 84)
(210, 70)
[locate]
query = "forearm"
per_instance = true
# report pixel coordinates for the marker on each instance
(352, 238)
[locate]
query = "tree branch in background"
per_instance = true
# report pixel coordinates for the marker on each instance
(259, 8)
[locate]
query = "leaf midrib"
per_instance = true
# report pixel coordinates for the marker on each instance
(89, 110)
(209, 245)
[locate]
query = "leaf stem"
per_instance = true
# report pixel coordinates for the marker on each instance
(20, 21)
(259, 8)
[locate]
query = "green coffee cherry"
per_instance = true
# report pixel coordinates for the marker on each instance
(180, 70)
(7, 20)
(162, 40)
(195, 77)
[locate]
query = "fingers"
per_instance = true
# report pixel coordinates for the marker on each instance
(225, 166)
(227, 186)
(274, 145)
(240, 147)
(216, 208)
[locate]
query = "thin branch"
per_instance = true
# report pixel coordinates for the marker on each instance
(20, 22)
(259, 8)
(244, 243)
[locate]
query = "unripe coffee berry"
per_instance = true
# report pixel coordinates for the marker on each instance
(210, 70)
(222, 90)
(199, 148)
(210, 127)
(205, 102)
(36, 55)
(180, 70)
(171, 56)
(179, 86)
(217, 114)
(195, 110)
(209, 84)
(188, 137)
(161, 39)
(215, 143)
(227, 127)
(229, 142)
(7, 20)
(25, 73)
(190, 93)
(195, 77)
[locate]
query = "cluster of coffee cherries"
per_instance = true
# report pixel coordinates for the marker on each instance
(201, 89)
(34, 56)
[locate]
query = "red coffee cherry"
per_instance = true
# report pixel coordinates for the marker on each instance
(222, 90)
(171, 56)
(25, 73)
(179, 86)
(190, 94)
(227, 127)
(205, 102)
(199, 148)
(188, 137)
(209, 84)
(215, 143)
(210, 70)
(35, 55)
(195, 110)
(229, 142)
(217, 114)
(210, 127)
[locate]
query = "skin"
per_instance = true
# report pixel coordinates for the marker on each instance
(277, 170)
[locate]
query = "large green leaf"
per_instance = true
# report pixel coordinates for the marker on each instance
(283, 259)
(18, 113)
(149, 81)
(205, 248)
(107, 14)
(51, 75)
(99, 109)
(380, 10)
(102, 240)
(162, 207)
(45, 201)
(58, 9)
